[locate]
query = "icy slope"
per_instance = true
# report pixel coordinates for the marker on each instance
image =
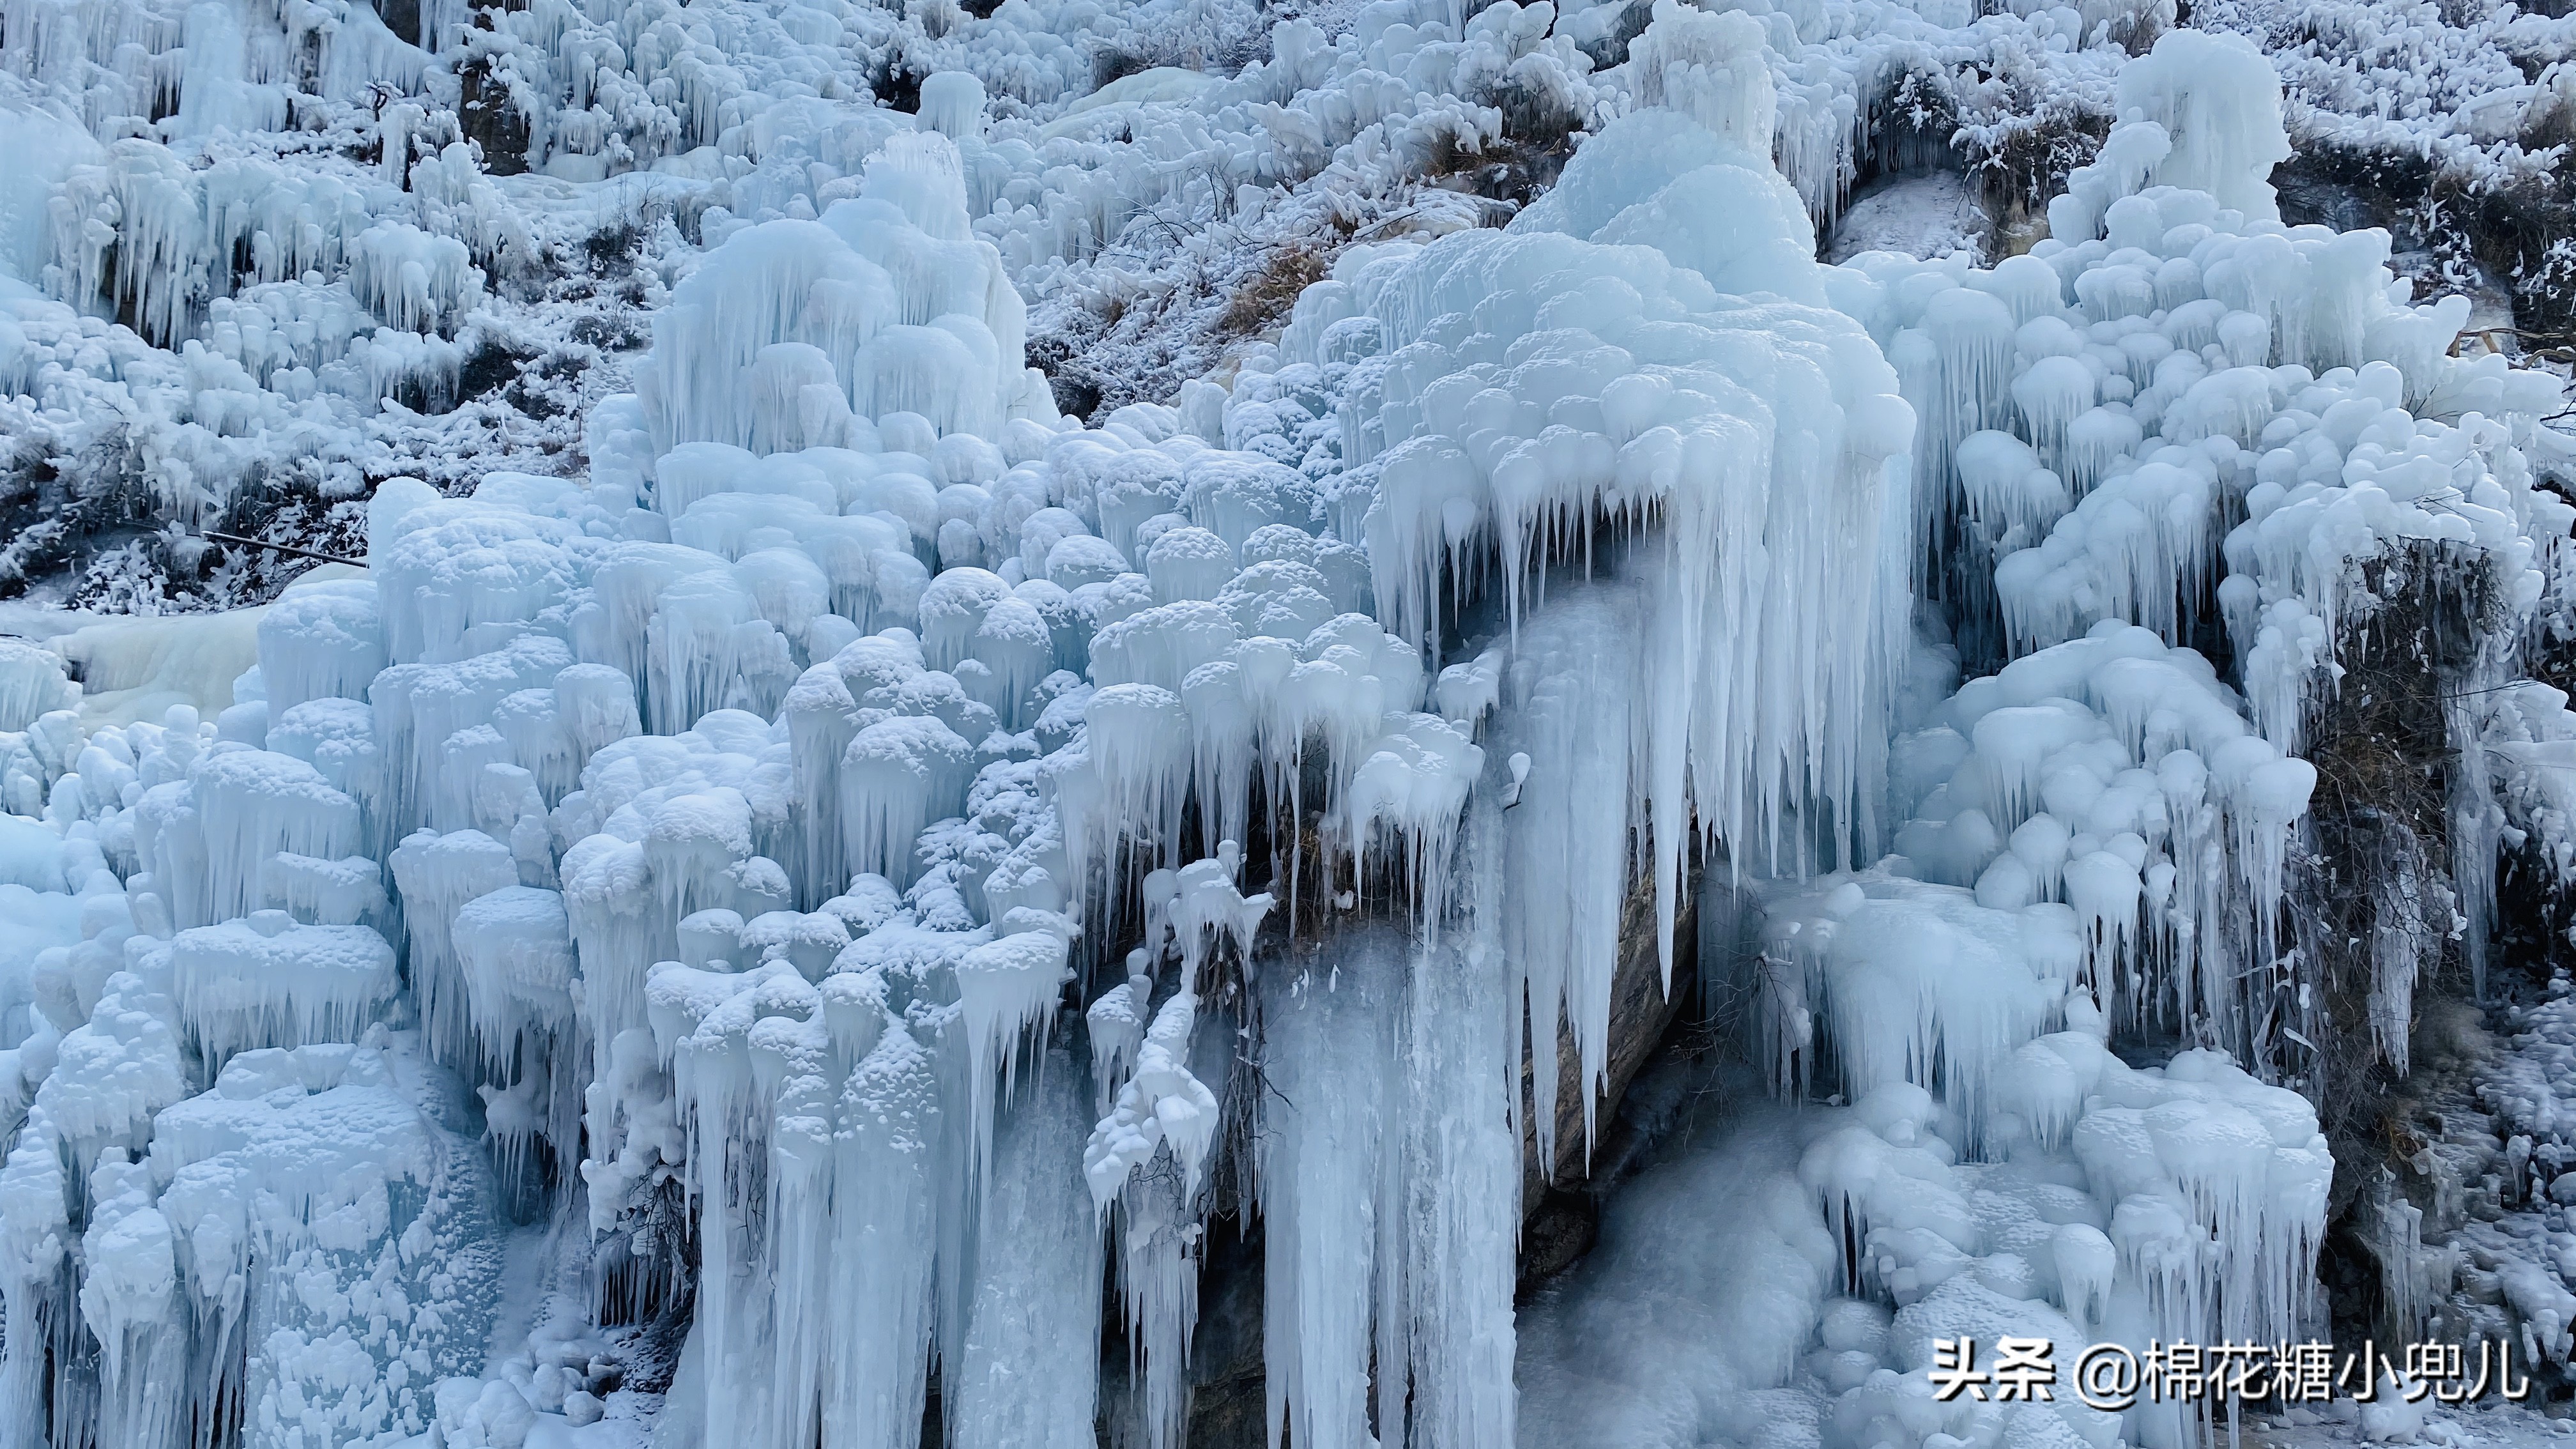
(322, 248)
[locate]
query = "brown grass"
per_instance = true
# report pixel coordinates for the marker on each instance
(2379, 814)
(1262, 302)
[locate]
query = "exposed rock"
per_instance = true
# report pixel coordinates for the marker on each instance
(1641, 1012)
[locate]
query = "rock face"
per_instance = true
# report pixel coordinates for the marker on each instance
(1228, 1388)
(1556, 1202)
(1227, 1406)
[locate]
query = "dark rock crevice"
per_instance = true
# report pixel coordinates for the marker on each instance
(2397, 1042)
(1560, 1199)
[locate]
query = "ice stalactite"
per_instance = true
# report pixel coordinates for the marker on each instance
(1145, 1158)
(516, 946)
(1390, 1182)
(1570, 825)
(437, 876)
(31, 686)
(1597, 422)
(2205, 1190)
(265, 980)
(1459, 1174)
(790, 1121)
(2120, 777)
(902, 308)
(1037, 1285)
(287, 1221)
(1330, 1035)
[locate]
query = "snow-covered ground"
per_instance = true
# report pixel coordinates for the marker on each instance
(940, 655)
(1935, 214)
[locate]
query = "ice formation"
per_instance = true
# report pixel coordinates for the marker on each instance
(872, 858)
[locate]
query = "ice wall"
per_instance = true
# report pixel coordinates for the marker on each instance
(2176, 420)
(2190, 417)
(748, 808)
(717, 834)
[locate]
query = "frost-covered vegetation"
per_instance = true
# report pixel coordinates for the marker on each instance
(1043, 704)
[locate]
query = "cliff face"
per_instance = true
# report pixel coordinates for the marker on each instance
(1560, 1206)
(2433, 914)
(1557, 1199)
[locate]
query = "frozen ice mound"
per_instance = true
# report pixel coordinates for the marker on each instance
(304, 1207)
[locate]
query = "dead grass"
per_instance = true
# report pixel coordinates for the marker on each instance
(1262, 302)
(2378, 837)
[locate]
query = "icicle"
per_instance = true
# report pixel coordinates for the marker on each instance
(1160, 1105)
(1004, 989)
(879, 1288)
(266, 981)
(1038, 1264)
(1325, 1126)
